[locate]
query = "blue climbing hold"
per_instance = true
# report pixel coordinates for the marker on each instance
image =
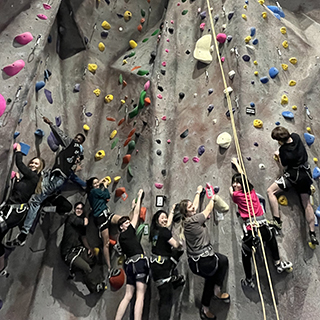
(39, 133)
(264, 80)
(252, 105)
(288, 115)
(246, 2)
(16, 134)
(40, 85)
(273, 72)
(318, 212)
(277, 16)
(316, 173)
(309, 139)
(255, 41)
(252, 31)
(24, 148)
(246, 58)
(277, 11)
(277, 123)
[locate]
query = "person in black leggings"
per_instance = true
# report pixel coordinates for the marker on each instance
(163, 260)
(203, 261)
(15, 209)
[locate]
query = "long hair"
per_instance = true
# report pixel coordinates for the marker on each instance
(39, 170)
(155, 227)
(181, 216)
(238, 179)
(90, 184)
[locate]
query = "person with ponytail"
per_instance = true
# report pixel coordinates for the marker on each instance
(15, 209)
(203, 261)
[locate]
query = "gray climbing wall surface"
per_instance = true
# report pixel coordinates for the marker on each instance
(37, 287)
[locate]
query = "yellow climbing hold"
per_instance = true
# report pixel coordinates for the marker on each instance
(255, 62)
(293, 60)
(124, 62)
(105, 25)
(107, 178)
(86, 127)
(132, 44)
(108, 98)
(292, 83)
(127, 15)
(100, 155)
(285, 44)
(283, 200)
(264, 15)
(256, 73)
(244, 17)
(284, 99)
(113, 134)
(101, 46)
(92, 67)
(97, 92)
(257, 123)
(284, 66)
(247, 39)
(123, 101)
(117, 178)
(315, 160)
(245, 6)
(261, 2)
(309, 129)
(283, 30)
(294, 107)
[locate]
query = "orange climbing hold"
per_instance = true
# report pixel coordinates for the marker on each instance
(113, 242)
(147, 101)
(111, 119)
(142, 214)
(124, 83)
(126, 159)
(135, 68)
(127, 141)
(121, 121)
(131, 133)
(139, 27)
(142, 20)
(120, 191)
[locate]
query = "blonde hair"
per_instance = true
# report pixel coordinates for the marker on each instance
(39, 170)
(183, 205)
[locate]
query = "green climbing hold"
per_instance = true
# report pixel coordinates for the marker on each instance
(155, 32)
(145, 40)
(142, 72)
(114, 143)
(143, 13)
(134, 112)
(131, 145)
(130, 171)
(132, 53)
(141, 99)
(184, 0)
(120, 79)
(184, 12)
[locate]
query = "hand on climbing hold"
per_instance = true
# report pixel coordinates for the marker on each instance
(140, 192)
(18, 147)
(234, 161)
(199, 189)
(46, 120)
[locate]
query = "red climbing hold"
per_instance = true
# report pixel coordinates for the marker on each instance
(120, 191)
(142, 215)
(121, 121)
(131, 133)
(111, 119)
(126, 159)
(127, 141)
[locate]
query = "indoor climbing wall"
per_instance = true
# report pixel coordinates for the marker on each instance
(142, 80)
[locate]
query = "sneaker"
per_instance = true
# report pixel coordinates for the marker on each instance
(19, 241)
(275, 224)
(248, 283)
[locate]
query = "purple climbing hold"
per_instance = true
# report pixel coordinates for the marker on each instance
(203, 15)
(246, 58)
(210, 108)
(39, 133)
(201, 150)
(210, 91)
(48, 95)
(88, 114)
(58, 121)
(104, 34)
(256, 144)
(52, 142)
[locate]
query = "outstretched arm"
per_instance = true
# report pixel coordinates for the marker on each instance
(197, 197)
(235, 162)
(208, 208)
(63, 139)
(170, 216)
(136, 210)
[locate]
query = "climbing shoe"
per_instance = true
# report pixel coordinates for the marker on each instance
(313, 238)
(284, 266)
(248, 283)
(275, 224)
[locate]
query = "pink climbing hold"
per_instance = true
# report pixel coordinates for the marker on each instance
(178, 4)
(46, 6)
(185, 159)
(202, 25)
(172, 22)
(222, 59)
(2, 105)
(23, 38)
(195, 159)
(42, 16)
(158, 185)
(164, 63)
(13, 174)
(169, 141)
(14, 146)
(147, 86)
(164, 118)
(159, 96)
(221, 37)
(14, 68)
(168, 40)
(167, 50)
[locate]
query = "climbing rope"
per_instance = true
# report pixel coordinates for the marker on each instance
(245, 181)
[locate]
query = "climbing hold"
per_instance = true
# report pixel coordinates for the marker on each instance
(201, 150)
(86, 127)
(294, 107)
(14, 68)
(184, 12)
(158, 185)
(229, 90)
(257, 123)
(131, 145)
(111, 119)
(292, 83)
(231, 74)
(159, 152)
(283, 200)
(101, 46)
(113, 134)
(273, 72)
(164, 118)
(288, 115)
(277, 12)
(130, 171)
(202, 26)
(255, 41)
(262, 166)
(48, 95)
(203, 15)
(127, 15)
(229, 38)
(120, 192)
(210, 91)
(42, 16)
(139, 27)
(39, 133)
(230, 15)
(210, 108)
(46, 6)
(134, 112)
(155, 32)
(252, 105)
(308, 129)
(221, 37)
(284, 99)
(181, 95)
(108, 98)
(185, 159)
(246, 58)
(255, 62)
(252, 31)
(23, 38)
(264, 80)
(247, 39)
(106, 25)
(202, 51)
(256, 73)
(147, 85)
(147, 101)
(76, 87)
(283, 30)
(104, 34)
(142, 20)
(121, 121)
(284, 66)
(316, 173)
(141, 99)
(168, 141)
(216, 18)
(117, 178)
(16, 134)
(143, 13)
(40, 85)
(224, 140)
(159, 96)
(114, 143)
(99, 155)
(245, 7)
(184, 134)
(127, 141)
(142, 72)
(124, 83)
(92, 67)
(97, 92)
(293, 60)
(132, 44)
(126, 159)
(195, 159)
(285, 44)
(264, 15)
(261, 2)
(244, 17)
(309, 139)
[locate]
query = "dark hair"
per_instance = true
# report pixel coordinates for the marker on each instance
(183, 205)
(77, 203)
(42, 163)
(238, 179)
(122, 220)
(82, 136)
(90, 184)
(280, 134)
(154, 227)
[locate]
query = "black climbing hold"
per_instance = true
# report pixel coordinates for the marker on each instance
(144, 122)
(86, 40)
(230, 15)
(184, 134)
(76, 87)
(153, 55)
(137, 134)
(159, 152)
(203, 15)
(19, 121)
(210, 108)
(256, 144)
(161, 25)
(171, 30)
(88, 114)
(201, 150)
(163, 172)
(160, 88)
(158, 141)
(107, 1)
(246, 58)
(249, 158)
(188, 52)
(252, 81)
(228, 112)
(181, 95)
(210, 91)
(9, 100)
(163, 72)
(134, 105)
(49, 38)
(120, 15)
(104, 34)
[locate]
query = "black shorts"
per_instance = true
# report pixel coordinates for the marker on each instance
(104, 220)
(137, 271)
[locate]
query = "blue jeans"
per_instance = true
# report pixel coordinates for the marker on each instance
(49, 186)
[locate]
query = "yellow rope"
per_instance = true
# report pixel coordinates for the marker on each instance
(245, 183)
